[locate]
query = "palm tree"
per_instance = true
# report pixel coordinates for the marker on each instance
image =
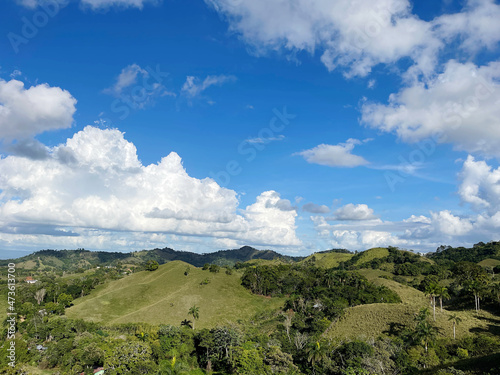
(431, 290)
(442, 293)
(495, 289)
(456, 320)
(424, 332)
(195, 312)
(316, 353)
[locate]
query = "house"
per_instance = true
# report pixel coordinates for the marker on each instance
(30, 280)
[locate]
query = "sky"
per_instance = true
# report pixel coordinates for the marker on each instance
(292, 125)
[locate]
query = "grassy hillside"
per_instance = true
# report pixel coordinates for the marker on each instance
(369, 255)
(328, 260)
(489, 262)
(370, 321)
(165, 296)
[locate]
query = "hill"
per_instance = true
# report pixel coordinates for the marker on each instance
(328, 259)
(373, 320)
(70, 260)
(476, 254)
(164, 296)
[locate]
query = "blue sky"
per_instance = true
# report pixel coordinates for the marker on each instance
(210, 124)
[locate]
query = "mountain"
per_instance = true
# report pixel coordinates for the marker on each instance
(67, 260)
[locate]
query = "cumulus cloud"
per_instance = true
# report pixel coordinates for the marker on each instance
(95, 183)
(354, 212)
(447, 223)
(355, 36)
(334, 155)
(194, 86)
(27, 112)
(315, 208)
(480, 186)
(458, 106)
(477, 25)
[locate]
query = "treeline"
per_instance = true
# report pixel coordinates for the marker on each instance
(316, 296)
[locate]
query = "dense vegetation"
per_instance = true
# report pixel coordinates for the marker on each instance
(297, 338)
(71, 260)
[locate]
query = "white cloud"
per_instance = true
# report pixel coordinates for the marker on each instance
(138, 88)
(194, 87)
(96, 183)
(127, 78)
(100, 4)
(447, 223)
(353, 35)
(354, 212)
(480, 186)
(334, 155)
(458, 106)
(315, 208)
(477, 25)
(265, 140)
(27, 112)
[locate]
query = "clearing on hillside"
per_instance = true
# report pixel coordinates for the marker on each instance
(164, 296)
(328, 260)
(370, 321)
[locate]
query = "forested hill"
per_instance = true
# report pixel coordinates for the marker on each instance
(476, 254)
(71, 259)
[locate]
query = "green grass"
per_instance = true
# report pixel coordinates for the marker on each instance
(370, 321)
(328, 260)
(489, 263)
(164, 296)
(369, 255)
(3, 303)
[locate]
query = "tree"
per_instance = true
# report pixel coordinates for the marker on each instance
(195, 312)
(473, 278)
(130, 358)
(495, 290)
(152, 265)
(316, 353)
(442, 293)
(40, 295)
(65, 299)
(424, 331)
(455, 319)
(431, 290)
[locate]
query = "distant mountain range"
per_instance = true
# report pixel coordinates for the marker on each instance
(72, 259)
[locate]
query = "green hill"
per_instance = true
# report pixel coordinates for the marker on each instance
(476, 254)
(327, 259)
(71, 260)
(370, 321)
(370, 254)
(164, 296)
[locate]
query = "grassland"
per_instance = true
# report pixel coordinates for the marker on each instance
(165, 296)
(369, 255)
(328, 260)
(369, 321)
(489, 262)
